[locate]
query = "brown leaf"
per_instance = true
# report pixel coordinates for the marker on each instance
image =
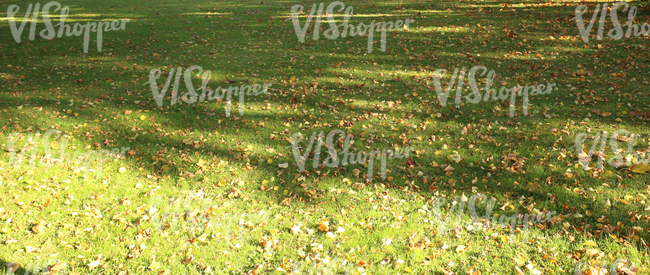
(12, 267)
(39, 227)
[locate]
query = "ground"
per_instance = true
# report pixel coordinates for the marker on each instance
(196, 188)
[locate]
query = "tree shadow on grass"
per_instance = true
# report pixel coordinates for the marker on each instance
(143, 47)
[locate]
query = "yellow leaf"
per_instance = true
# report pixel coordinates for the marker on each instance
(590, 243)
(519, 260)
(640, 168)
(40, 227)
(93, 264)
(143, 117)
(154, 265)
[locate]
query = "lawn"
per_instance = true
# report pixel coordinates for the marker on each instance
(102, 174)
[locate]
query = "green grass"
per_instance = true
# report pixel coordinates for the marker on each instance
(386, 99)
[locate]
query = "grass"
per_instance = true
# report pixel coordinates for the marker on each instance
(234, 206)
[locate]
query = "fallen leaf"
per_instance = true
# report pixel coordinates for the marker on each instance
(640, 168)
(39, 227)
(590, 243)
(12, 267)
(154, 265)
(295, 229)
(324, 226)
(93, 264)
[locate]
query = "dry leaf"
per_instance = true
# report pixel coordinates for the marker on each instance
(324, 226)
(12, 267)
(295, 229)
(590, 243)
(640, 168)
(93, 264)
(40, 227)
(154, 265)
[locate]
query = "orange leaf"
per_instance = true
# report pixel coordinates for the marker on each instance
(295, 229)
(324, 226)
